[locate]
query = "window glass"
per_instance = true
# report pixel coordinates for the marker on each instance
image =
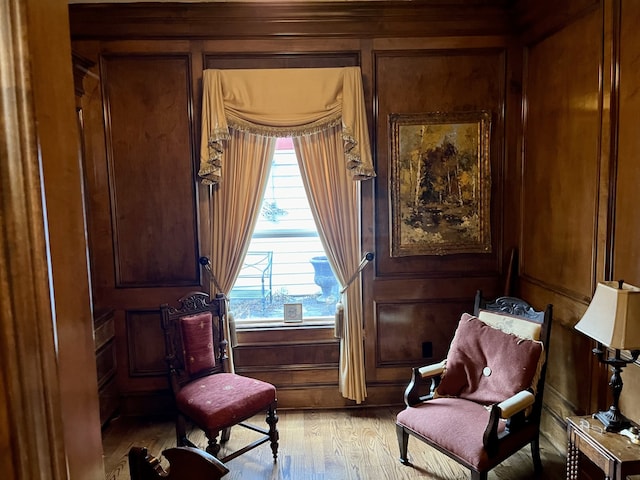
(286, 262)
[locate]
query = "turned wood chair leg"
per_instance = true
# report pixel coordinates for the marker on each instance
(274, 436)
(403, 443)
(226, 435)
(213, 448)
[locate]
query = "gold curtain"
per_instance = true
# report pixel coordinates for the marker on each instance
(334, 199)
(284, 103)
(236, 206)
(324, 109)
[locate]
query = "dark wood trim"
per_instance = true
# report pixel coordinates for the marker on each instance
(536, 19)
(235, 20)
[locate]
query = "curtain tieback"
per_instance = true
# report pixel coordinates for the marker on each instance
(363, 263)
(206, 263)
(339, 321)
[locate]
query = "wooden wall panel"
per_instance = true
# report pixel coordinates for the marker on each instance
(145, 341)
(437, 81)
(562, 154)
(626, 248)
(560, 200)
(403, 341)
(282, 354)
(627, 227)
(151, 161)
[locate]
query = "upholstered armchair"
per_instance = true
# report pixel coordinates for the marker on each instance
(483, 402)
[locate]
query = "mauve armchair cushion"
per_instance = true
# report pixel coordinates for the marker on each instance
(462, 437)
(486, 365)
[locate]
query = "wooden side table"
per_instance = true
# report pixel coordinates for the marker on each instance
(613, 453)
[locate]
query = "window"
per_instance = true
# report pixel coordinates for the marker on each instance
(286, 262)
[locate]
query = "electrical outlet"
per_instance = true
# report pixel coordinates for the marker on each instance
(427, 350)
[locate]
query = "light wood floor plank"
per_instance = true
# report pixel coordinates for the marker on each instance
(351, 444)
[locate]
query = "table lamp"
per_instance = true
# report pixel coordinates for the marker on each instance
(613, 320)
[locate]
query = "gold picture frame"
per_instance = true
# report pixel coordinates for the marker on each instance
(440, 183)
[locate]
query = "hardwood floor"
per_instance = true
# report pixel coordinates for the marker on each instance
(353, 444)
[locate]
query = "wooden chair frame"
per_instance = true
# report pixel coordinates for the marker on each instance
(190, 304)
(523, 424)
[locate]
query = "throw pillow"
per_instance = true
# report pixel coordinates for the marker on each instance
(197, 339)
(487, 365)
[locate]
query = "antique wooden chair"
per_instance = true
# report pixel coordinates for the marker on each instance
(205, 394)
(184, 463)
(483, 402)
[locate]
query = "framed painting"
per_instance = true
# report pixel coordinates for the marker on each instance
(440, 183)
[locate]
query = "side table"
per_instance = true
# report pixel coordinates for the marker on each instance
(613, 453)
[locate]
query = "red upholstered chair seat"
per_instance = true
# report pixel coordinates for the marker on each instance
(220, 401)
(463, 438)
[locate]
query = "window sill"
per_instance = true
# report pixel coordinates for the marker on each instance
(272, 334)
(257, 325)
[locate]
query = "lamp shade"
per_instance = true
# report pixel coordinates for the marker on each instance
(613, 316)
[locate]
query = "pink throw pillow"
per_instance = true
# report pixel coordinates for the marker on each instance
(486, 365)
(197, 339)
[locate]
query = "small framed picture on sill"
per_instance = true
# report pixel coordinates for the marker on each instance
(292, 312)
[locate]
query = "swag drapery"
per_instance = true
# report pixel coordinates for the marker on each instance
(243, 111)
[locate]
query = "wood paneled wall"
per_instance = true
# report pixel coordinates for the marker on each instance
(580, 87)
(626, 226)
(562, 162)
(149, 213)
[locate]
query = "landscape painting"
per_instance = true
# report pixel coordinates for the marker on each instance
(440, 183)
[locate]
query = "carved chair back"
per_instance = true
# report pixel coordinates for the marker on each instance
(195, 342)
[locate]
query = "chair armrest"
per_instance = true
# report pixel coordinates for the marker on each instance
(512, 409)
(433, 370)
(419, 379)
(515, 404)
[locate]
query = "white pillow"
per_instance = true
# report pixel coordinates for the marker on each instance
(517, 326)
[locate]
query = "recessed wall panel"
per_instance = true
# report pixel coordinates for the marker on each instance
(405, 331)
(145, 341)
(428, 81)
(562, 153)
(627, 225)
(151, 169)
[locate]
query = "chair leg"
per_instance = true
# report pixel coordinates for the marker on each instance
(213, 447)
(274, 436)
(226, 435)
(535, 455)
(403, 443)
(181, 432)
(479, 475)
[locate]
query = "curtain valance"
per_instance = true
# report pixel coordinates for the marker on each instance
(284, 103)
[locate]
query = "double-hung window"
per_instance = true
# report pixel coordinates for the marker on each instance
(285, 275)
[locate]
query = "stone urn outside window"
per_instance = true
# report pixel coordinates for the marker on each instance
(324, 278)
